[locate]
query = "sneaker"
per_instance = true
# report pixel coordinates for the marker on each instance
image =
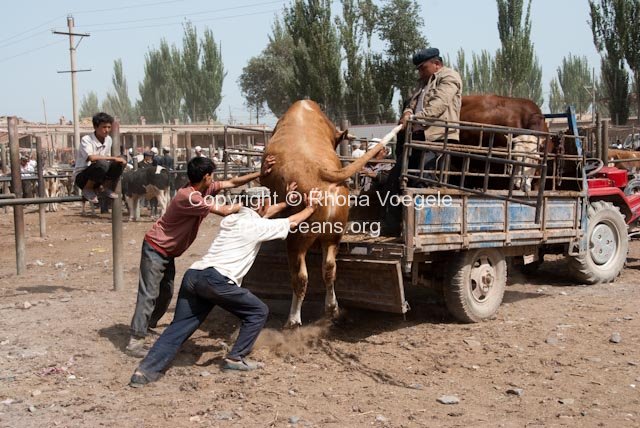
(135, 347)
(242, 365)
(90, 195)
(138, 380)
(110, 194)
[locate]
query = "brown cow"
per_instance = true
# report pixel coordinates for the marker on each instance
(304, 144)
(510, 112)
(502, 111)
(632, 157)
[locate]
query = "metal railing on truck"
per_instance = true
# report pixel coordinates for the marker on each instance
(481, 169)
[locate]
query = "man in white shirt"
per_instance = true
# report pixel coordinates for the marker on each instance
(356, 149)
(217, 279)
(95, 168)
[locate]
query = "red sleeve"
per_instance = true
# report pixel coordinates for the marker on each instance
(214, 188)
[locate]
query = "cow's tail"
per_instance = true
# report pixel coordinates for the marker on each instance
(337, 176)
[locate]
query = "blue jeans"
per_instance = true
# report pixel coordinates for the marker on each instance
(200, 292)
(155, 289)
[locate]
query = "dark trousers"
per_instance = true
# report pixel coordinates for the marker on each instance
(155, 289)
(100, 172)
(200, 292)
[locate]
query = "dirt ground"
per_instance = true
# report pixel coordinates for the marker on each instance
(547, 359)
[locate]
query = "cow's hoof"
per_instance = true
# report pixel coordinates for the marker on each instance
(332, 312)
(292, 325)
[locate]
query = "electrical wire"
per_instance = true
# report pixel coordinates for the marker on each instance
(139, 27)
(31, 29)
(31, 50)
(182, 15)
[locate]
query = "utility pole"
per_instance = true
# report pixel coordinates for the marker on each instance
(74, 80)
(593, 103)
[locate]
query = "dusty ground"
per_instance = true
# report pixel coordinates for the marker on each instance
(62, 360)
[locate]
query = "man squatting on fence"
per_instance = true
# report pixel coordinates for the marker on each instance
(171, 236)
(217, 280)
(95, 169)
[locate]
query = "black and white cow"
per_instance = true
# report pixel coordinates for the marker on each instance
(152, 182)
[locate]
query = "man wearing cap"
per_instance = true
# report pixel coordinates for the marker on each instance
(198, 151)
(439, 95)
(375, 172)
(217, 280)
(155, 159)
(357, 149)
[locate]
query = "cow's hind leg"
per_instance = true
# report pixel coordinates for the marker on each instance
(297, 252)
(329, 251)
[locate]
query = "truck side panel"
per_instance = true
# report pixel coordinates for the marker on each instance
(473, 222)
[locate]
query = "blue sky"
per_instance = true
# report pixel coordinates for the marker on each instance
(31, 56)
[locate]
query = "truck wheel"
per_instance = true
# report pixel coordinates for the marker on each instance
(633, 187)
(477, 282)
(607, 245)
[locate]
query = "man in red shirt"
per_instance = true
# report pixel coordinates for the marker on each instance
(171, 235)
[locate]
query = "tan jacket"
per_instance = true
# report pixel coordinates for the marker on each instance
(442, 100)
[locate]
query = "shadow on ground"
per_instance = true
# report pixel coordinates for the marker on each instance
(45, 288)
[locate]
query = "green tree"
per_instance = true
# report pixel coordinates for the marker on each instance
(316, 55)
(517, 72)
(213, 74)
(270, 75)
(89, 105)
(400, 30)
(350, 30)
(477, 77)
(608, 28)
(556, 97)
(118, 102)
(616, 89)
(160, 91)
(190, 76)
(253, 80)
(574, 77)
(631, 43)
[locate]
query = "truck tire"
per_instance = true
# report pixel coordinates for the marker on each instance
(632, 187)
(607, 245)
(477, 280)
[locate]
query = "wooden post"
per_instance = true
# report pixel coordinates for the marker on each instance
(41, 192)
(5, 169)
(598, 153)
(344, 144)
(116, 218)
(16, 183)
(605, 141)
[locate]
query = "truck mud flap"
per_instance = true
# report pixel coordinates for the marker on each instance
(360, 283)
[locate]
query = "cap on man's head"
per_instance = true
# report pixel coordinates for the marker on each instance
(424, 55)
(166, 149)
(198, 149)
(154, 150)
(148, 154)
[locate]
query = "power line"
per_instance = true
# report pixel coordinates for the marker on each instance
(129, 7)
(140, 27)
(31, 29)
(24, 38)
(183, 15)
(29, 51)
